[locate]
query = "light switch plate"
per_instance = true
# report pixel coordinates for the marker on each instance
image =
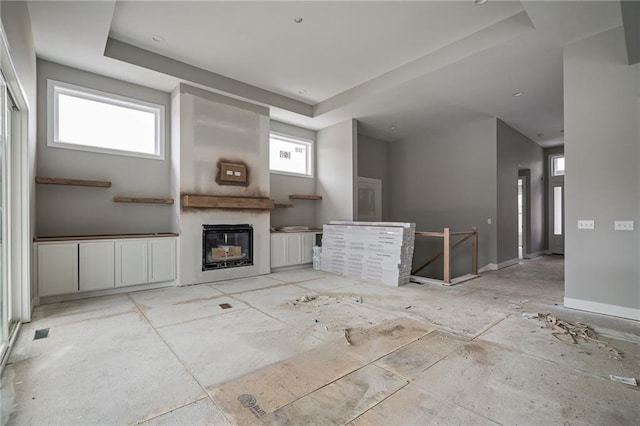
(586, 224)
(623, 225)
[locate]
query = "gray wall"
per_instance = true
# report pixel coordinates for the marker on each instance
(337, 171)
(447, 178)
(303, 212)
(602, 137)
(69, 210)
(373, 162)
(517, 153)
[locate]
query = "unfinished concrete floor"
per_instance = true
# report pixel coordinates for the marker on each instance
(419, 354)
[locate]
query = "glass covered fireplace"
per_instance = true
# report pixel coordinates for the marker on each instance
(226, 246)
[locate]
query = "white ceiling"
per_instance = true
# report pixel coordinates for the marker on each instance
(413, 65)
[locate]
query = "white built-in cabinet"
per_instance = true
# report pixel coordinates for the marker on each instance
(293, 248)
(89, 265)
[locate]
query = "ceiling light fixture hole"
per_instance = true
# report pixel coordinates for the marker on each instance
(297, 19)
(517, 94)
(480, 2)
(157, 38)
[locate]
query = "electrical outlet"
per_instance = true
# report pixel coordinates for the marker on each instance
(623, 225)
(586, 224)
(489, 221)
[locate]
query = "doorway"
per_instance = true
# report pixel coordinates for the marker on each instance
(15, 290)
(556, 204)
(522, 211)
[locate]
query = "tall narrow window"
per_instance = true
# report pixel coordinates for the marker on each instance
(89, 120)
(288, 155)
(557, 210)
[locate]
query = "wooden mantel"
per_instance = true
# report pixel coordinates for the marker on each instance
(219, 202)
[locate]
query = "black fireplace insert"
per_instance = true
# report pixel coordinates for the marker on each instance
(226, 246)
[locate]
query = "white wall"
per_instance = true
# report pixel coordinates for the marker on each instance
(447, 178)
(373, 162)
(602, 138)
(70, 210)
(337, 171)
(303, 212)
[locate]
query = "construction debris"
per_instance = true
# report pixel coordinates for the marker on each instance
(574, 330)
(306, 298)
(624, 380)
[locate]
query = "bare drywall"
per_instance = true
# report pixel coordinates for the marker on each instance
(214, 127)
(518, 153)
(602, 138)
(303, 212)
(337, 171)
(373, 162)
(69, 210)
(447, 178)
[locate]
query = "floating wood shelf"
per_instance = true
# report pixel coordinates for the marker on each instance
(283, 205)
(73, 182)
(217, 202)
(305, 197)
(118, 199)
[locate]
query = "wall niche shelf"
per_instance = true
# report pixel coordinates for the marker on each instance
(305, 197)
(143, 200)
(73, 182)
(218, 202)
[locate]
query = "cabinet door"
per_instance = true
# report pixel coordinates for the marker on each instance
(278, 250)
(57, 268)
(97, 265)
(131, 262)
(308, 241)
(162, 259)
(294, 249)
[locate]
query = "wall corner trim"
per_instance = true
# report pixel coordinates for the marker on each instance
(602, 308)
(534, 255)
(498, 266)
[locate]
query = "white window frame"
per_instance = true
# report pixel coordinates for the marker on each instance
(297, 140)
(54, 88)
(552, 161)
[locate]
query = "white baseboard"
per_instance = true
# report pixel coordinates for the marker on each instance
(602, 308)
(534, 255)
(497, 266)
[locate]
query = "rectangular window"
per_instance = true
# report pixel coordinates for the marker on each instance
(90, 120)
(557, 165)
(557, 210)
(289, 155)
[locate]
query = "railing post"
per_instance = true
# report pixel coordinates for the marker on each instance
(447, 256)
(474, 251)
